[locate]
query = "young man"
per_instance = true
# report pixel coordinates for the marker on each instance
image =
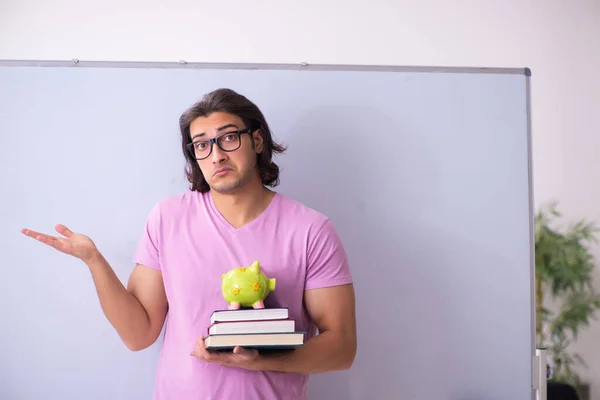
(228, 219)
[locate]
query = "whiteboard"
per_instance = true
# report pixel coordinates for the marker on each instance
(425, 172)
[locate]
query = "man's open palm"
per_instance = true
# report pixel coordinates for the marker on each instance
(74, 244)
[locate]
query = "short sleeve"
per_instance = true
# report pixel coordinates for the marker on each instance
(327, 261)
(147, 251)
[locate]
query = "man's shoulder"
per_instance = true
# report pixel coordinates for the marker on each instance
(301, 213)
(176, 203)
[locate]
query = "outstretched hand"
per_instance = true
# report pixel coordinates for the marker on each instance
(74, 244)
(239, 357)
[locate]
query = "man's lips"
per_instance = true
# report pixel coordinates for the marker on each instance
(222, 171)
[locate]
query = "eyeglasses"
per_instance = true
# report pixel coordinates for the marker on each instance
(229, 141)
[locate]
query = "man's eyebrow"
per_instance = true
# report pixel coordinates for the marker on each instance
(218, 130)
(227, 126)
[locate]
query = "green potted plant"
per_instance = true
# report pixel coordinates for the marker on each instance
(566, 299)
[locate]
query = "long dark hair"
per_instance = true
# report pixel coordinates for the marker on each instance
(227, 100)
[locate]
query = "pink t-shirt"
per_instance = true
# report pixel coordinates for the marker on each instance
(193, 245)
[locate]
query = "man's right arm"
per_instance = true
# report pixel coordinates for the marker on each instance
(138, 311)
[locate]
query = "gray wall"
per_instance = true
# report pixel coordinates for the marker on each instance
(425, 175)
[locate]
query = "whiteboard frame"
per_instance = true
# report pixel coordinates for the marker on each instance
(183, 64)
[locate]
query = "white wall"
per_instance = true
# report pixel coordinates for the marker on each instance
(558, 40)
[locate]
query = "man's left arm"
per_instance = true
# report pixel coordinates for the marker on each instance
(334, 348)
(329, 300)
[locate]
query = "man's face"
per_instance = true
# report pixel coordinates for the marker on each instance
(226, 171)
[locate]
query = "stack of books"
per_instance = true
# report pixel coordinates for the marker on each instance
(262, 329)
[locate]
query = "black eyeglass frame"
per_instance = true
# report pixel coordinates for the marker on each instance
(215, 140)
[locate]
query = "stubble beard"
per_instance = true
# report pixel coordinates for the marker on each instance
(231, 187)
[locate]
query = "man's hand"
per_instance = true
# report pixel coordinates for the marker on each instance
(74, 244)
(239, 357)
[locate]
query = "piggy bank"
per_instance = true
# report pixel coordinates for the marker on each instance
(246, 287)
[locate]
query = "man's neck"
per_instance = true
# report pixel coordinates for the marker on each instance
(242, 207)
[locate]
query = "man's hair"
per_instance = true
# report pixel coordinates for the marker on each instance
(228, 101)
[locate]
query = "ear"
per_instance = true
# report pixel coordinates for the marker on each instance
(255, 267)
(258, 140)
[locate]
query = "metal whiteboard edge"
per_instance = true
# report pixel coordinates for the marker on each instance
(542, 380)
(182, 64)
(531, 205)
